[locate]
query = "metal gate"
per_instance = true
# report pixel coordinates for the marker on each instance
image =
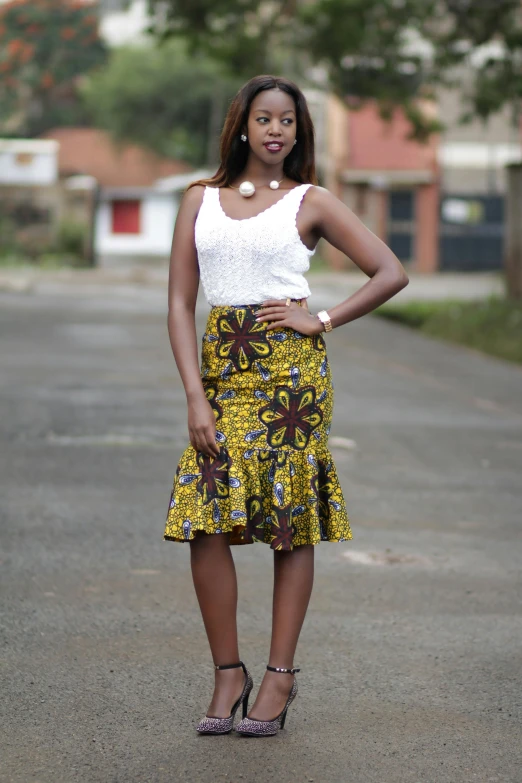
(471, 232)
(401, 223)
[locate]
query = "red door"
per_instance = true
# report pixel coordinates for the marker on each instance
(126, 217)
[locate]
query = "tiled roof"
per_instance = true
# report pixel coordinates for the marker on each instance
(91, 151)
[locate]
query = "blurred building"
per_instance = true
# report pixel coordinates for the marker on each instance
(391, 183)
(473, 160)
(440, 205)
(30, 194)
(136, 193)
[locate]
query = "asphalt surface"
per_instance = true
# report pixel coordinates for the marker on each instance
(411, 652)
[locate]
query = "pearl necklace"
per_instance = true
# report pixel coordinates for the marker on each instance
(247, 188)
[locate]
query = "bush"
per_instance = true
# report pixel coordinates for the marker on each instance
(71, 239)
(30, 245)
(8, 243)
(492, 325)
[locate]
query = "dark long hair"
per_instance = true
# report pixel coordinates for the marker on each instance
(299, 164)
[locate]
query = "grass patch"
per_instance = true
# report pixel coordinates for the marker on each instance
(46, 261)
(318, 264)
(492, 325)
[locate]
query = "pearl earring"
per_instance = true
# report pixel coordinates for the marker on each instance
(243, 137)
(295, 142)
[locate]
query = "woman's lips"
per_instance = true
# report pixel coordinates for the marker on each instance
(273, 146)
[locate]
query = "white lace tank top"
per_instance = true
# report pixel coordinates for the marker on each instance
(248, 260)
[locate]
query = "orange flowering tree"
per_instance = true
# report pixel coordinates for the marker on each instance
(45, 46)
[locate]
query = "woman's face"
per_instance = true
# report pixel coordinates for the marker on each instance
(271, 127)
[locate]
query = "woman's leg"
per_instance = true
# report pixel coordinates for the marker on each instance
(293, 581)
(214, 576)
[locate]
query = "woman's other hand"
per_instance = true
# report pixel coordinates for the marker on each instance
(202, 426)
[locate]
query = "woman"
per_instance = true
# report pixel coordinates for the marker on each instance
(258, 466)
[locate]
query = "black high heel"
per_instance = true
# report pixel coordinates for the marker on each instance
(209, 725)
(267, 728)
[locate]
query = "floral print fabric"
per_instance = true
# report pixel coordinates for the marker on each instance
(274, 480)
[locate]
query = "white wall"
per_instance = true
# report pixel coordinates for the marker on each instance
(41, 169)
(158, 214)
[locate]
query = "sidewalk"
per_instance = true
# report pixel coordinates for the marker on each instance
(328, 287)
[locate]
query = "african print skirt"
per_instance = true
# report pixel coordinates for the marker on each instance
(274, 480)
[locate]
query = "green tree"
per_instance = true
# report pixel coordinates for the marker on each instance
(401, 50)
(392, 51)
(247, 36)
(45, 45)
(161, 98)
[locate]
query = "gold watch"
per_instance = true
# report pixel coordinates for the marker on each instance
(325, 318)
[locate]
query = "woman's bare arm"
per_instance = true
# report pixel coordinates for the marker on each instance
(181, 321)
(336, 223)
(322, 215)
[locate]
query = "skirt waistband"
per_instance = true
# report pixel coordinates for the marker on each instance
(257, 304)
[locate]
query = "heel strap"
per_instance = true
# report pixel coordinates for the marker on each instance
(231, 666)
(284, 671)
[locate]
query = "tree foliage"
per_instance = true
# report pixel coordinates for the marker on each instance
(161, 98)
(397, 52)
(247, 36)
(489, 35)
(44, 46)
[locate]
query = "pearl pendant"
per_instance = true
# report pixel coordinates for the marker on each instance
(247, 189)
(274, 185)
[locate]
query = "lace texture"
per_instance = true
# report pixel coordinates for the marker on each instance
(248, 260)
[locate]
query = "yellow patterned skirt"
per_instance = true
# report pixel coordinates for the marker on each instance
(274, 480)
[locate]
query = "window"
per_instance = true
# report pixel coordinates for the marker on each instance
(361, 199)
(24, 159)
(126, 217)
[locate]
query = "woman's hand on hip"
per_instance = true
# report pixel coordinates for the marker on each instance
(277, 313)
(202, 427)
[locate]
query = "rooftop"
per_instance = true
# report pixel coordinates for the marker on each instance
(91, 151)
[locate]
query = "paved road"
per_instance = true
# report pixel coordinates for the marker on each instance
(443, 285)
(411, 652)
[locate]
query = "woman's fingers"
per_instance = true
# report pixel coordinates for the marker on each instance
(205, 442)
(269, 313)
(194, 442)
(277, 324)
(211, 444)
(274, 302)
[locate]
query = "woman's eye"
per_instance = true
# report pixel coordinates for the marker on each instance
(264, 120)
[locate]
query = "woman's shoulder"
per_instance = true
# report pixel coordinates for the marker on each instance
(320, 204)
(320, 197)
(191, 202)
(194, 193)
(315, 192)
(193, 197)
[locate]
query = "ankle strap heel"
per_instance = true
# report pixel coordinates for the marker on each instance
(230, 666)
(214, 725)
(252, 727)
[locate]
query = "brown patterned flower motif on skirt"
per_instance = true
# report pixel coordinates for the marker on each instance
(242, 339)
(291, 416)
